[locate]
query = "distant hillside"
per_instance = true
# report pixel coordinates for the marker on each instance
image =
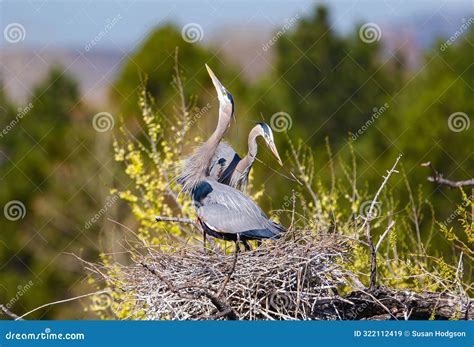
(22, 69)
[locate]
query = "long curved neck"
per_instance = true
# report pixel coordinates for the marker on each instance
(216, 137)
(209, 147)
(247, 161)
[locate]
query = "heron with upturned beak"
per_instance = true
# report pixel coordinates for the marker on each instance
(227, 167)
(196, 166)
(223, 211)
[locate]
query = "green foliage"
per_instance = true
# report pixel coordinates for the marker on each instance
(331, 83)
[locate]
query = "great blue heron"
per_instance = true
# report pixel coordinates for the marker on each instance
(227, 167)
(228, 214)
(196, 167)
(223, 211)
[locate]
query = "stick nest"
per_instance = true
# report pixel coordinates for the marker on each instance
(281, 279)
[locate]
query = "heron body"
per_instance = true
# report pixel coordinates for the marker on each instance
(226, 213)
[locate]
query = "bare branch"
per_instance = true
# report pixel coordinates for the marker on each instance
(366, 225)
(177, 220)
(62, 301)
(392, 223)
(438, 178)
(9, 313)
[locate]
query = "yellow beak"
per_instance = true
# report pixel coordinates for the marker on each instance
(275, 153)
(217, 84)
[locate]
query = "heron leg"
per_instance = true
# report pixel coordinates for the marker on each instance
(237, 244)
(246, 245)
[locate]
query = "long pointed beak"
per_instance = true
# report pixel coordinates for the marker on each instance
(274, 150)
(217, 84)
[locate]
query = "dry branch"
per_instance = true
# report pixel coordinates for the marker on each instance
(366, 225)
(9, 313)
(404, 304)
(438, 178)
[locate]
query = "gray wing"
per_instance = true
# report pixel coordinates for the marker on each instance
(222, 158)
(227, 210)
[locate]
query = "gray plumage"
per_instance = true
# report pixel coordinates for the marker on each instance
(196, 167)
(227, 167)
(225, 212)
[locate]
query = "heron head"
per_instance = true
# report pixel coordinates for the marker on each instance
(265, 131)
(226, 101)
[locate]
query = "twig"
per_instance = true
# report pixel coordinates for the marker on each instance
(62, 301)
(9, 313)
(366, 226)
(392, 223)
(438, 178)
(221, 289)
(223, 308)
(176, 220)
(374, 201)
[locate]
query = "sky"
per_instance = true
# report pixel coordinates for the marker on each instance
(75, 23)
